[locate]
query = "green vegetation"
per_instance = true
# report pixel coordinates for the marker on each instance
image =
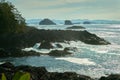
(11, 20)
(18, 76)
(3, 77)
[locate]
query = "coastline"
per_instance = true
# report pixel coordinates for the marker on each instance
(40, 73)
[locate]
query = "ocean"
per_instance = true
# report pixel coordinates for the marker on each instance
(91, 60)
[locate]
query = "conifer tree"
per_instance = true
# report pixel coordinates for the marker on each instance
(11, 20)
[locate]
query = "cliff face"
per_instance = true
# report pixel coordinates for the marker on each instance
(47, 22)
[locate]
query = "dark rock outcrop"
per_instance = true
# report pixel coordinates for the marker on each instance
(111, 77)
(58, 45)
(47, 22)
(14, 52)
(11, 44)
(64, 76)
(39, 73)
(70, 48)
(76, 27)
(68, 22)
(45, 45)
(59, 53)
(32, 36)
(7, 65)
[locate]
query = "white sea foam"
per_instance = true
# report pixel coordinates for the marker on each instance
(37, 50)
(108, 34)
(36, 45)
(83, 61)
(2, 63)
(114, 26)
(114, 54)
(100, 50)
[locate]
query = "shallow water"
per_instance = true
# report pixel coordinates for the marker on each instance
(92, 60)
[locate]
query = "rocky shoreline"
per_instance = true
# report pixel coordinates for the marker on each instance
(40, 73)
(11, 44)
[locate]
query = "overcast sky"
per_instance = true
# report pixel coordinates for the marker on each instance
(69, 9)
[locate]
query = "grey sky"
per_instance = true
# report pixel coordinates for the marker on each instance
(69, 9)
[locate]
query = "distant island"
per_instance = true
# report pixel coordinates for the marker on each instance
(47, 21)
(75, 21)
(68, 22)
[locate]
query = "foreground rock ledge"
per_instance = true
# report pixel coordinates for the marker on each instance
(40, 73)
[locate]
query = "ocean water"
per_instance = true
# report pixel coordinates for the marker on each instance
(91, 60)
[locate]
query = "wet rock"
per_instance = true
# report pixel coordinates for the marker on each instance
(111, 77)
(75, 27)
(93, 39)
(3, 53)
(15, 52)
(68, 22)
(58, 45)
(45, 45)
(70, 48)
(103, 78)
(47, 22)
(7, 65)
(64, 76)
(59, 53)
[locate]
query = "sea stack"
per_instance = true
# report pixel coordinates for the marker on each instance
(47, 21)
(68, 22)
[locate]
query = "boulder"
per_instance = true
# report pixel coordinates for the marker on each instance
(75, 27)
(70, 48)
(7, 65)
(45, 45)
(68, 22)
(47, 22)
(111, 77)
(3, 53)
(58, 53)
(15, 52)
(58, 45)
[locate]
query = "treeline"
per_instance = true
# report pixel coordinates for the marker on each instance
(11, 20)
